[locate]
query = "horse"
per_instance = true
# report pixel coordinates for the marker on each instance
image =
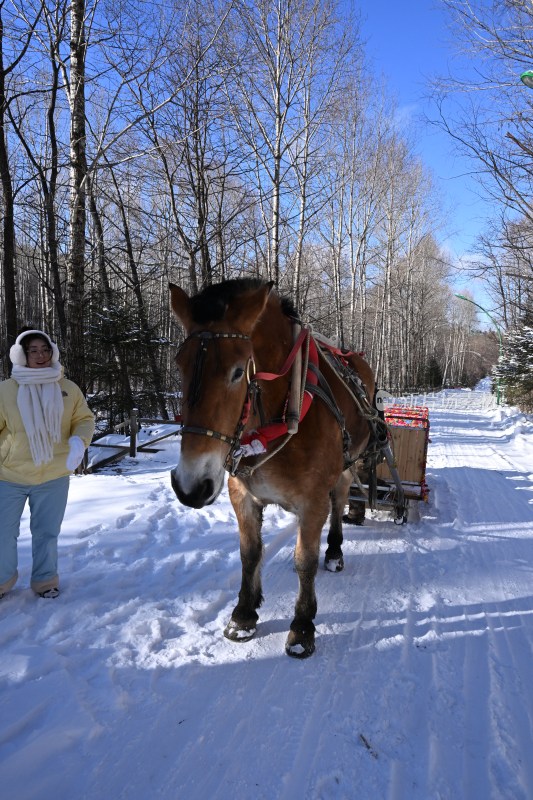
(287, 414)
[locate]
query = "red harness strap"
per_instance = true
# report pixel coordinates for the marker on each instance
(266, 433)
(270, 376)
(342, 354)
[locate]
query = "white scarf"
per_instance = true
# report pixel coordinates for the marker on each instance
(40, 403)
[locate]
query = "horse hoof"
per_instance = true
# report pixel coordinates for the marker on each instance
(300, 645)
(334, 564)
(238, 633)
(353, 520)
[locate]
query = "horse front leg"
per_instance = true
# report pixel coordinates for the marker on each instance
(334, 559)
(242, 625)
(301, 639)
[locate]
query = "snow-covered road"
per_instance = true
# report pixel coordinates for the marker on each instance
(421, 687)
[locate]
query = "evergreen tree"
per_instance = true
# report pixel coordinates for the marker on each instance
(515, 368)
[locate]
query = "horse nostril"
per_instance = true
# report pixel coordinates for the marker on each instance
(174, 484)
(205, 494)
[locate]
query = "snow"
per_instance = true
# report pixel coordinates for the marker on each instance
(420, 687)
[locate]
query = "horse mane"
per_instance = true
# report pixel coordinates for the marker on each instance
(211, 303)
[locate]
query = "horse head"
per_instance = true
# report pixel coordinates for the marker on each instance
(215, 362)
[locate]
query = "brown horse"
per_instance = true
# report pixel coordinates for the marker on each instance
(276, 414)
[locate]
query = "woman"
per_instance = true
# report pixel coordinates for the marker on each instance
(45, 427)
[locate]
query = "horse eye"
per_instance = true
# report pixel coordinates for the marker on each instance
(237, 374)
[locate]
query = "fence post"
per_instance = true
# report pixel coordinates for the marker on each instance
(82, 468)
(133, 432)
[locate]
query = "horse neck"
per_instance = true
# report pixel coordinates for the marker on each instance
(272, 340)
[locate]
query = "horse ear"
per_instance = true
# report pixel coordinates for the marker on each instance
(253, 304)
(181, 305)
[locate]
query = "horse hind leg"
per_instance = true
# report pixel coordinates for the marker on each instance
(334, 559)
(243, 622)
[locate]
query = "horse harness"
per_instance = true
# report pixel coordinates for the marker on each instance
(305, 352)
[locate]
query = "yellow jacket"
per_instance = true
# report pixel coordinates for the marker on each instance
(16, 463)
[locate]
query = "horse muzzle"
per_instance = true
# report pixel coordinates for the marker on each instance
(199, 494)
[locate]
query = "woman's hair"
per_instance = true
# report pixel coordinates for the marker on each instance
(25, 342)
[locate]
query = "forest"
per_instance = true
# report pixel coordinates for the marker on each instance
(143, 143)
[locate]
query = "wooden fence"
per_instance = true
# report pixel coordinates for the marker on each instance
(130, 427)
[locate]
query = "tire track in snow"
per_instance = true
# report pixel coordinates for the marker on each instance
(477, 722)
(497, 640)
(510, 707)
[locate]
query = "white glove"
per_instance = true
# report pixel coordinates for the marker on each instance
(75, 453)
(255, 448)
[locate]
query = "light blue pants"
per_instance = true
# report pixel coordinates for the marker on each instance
(47, 503)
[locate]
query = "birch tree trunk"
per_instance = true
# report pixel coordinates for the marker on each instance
(75, 361)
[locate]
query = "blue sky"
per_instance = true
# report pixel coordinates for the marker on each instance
(408, 42)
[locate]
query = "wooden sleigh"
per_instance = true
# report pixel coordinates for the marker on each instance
(400, 475)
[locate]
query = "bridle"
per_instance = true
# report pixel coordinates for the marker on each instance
(194, 391)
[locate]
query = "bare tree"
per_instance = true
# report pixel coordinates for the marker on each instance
(333, 66)
(489, 113)
(355, 178)
(273, 47)
(13, 47)
(42, 148)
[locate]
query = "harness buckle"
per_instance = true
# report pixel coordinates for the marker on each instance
(233, 459)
